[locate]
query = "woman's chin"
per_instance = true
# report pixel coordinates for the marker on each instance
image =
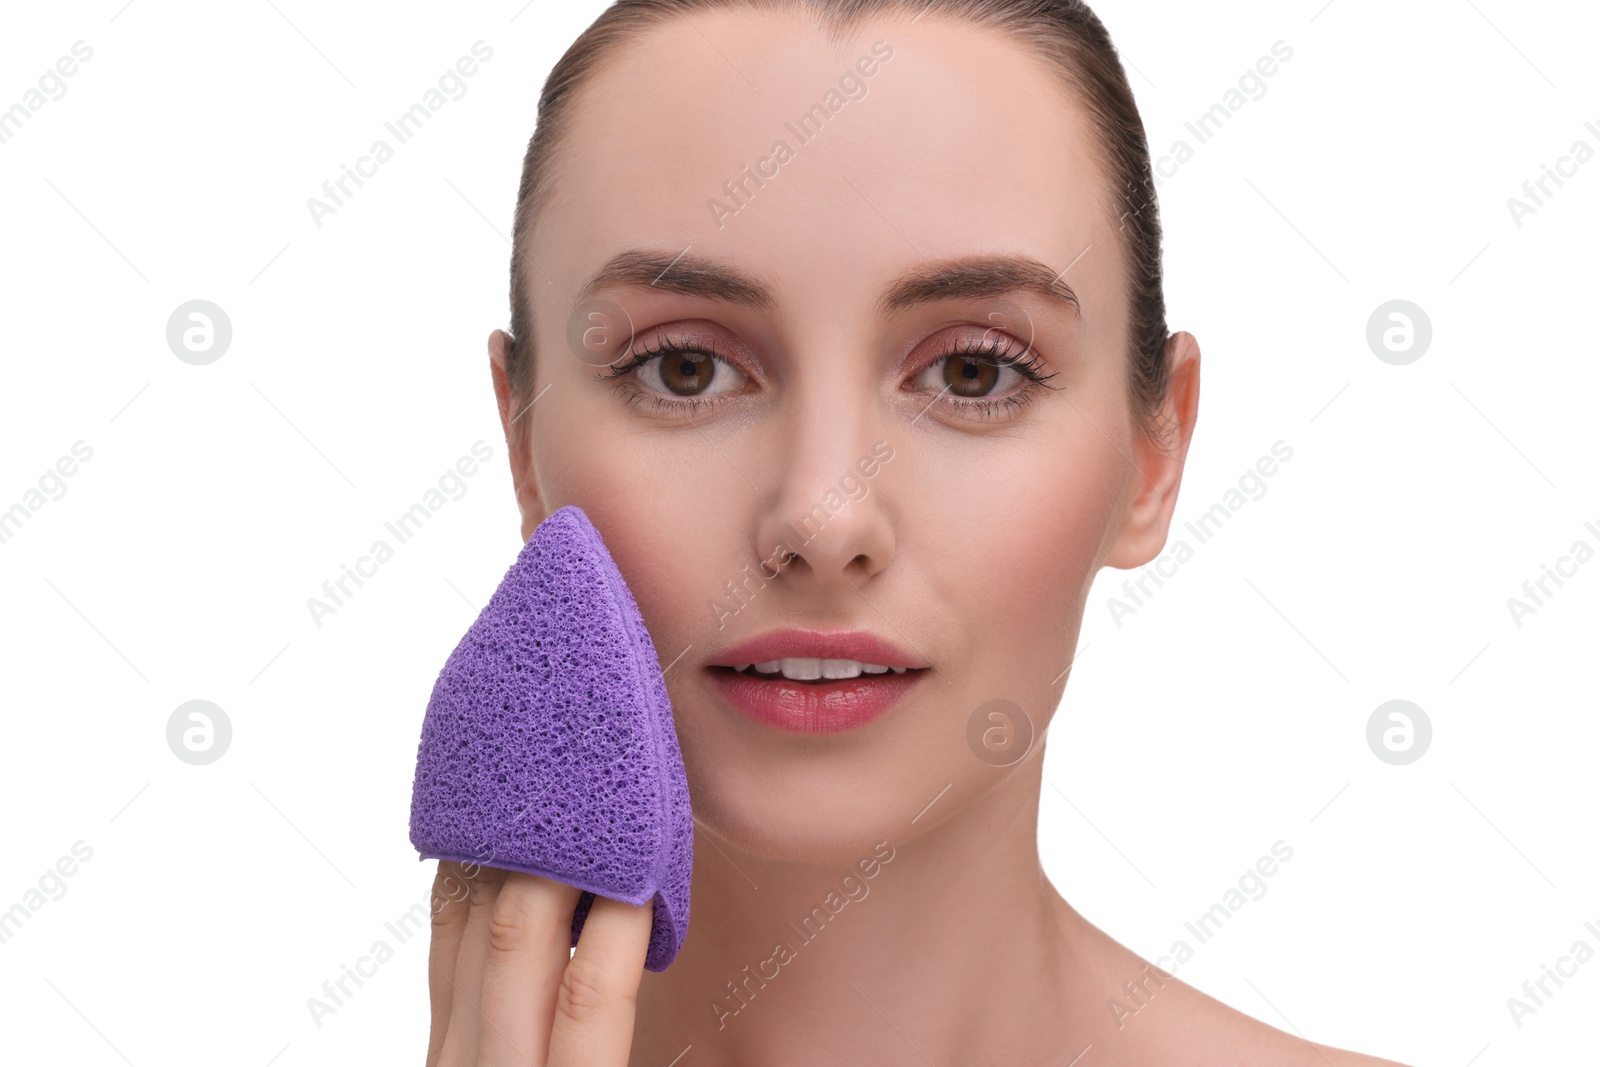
(803, 828)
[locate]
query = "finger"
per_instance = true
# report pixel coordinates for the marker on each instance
(449, 918)
(530, 940)
(600, 987)
(466, 984)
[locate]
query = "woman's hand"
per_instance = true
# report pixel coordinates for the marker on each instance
(504, 992)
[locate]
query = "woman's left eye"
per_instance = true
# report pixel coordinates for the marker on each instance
(969, 376)
(985, 380)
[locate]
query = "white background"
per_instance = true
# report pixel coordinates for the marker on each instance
(1226, 714)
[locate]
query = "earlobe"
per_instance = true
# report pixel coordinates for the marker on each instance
(1147, 516)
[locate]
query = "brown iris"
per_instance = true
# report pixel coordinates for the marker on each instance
(687, 373)
(970, 375)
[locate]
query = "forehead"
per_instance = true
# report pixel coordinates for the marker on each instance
(756, 140)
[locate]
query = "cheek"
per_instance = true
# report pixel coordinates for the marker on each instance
(1017, 547)
(1061, 524)
(667, 518)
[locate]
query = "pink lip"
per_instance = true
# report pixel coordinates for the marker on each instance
(824, 644)
(816, 707)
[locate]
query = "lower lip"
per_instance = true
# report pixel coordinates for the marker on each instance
(815, 707)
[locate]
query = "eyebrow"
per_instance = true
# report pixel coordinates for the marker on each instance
(965, 277)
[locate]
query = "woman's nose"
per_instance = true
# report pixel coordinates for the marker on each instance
(833, 504)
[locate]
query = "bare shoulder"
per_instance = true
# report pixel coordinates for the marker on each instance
(1181, 1020)
(1258, 1043)
(1155, 1019)
(1338, 1057)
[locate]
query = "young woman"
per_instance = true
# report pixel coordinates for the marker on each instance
(843, 322)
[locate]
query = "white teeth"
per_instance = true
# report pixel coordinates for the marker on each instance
(841, 668)
(802, 668)
(813, 668)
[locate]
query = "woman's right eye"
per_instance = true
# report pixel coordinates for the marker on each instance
(676, 377)
(687, 373)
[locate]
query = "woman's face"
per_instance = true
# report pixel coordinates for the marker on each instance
(953, 508)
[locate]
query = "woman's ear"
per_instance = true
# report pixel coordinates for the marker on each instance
(1148, 512)
(516, 424)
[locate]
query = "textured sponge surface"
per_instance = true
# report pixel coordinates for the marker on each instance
(548, 744)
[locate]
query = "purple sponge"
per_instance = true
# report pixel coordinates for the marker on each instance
(548, 745)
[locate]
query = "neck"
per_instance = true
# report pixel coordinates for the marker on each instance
(946, 939)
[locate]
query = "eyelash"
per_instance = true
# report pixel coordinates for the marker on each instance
(1028, 364)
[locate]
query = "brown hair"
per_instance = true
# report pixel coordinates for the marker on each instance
(1065, 33)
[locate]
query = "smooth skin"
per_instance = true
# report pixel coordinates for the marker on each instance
(976, 545)
(502, 989)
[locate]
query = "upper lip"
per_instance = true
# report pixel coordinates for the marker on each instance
(859, 645)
